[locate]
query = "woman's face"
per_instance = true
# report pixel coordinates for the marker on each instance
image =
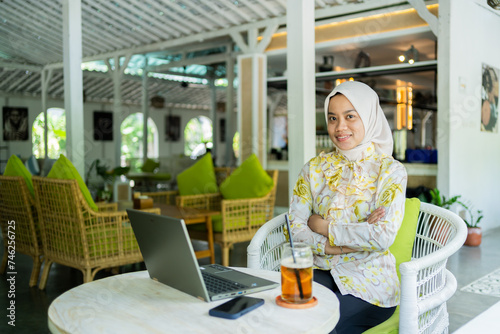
(345, 127)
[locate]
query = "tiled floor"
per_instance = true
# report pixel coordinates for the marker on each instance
(468, 264)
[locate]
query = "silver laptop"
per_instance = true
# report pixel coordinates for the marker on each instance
(170, 259)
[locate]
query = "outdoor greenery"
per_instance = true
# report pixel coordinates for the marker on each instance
(132, 146)
(472, 218)
(56, 134)
(198, 136)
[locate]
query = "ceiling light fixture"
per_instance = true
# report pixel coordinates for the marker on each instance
(410, 56)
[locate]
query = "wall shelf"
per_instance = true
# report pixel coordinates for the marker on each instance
(428, 65)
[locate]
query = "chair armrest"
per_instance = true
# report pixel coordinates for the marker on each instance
(203, 201)
(107, 207)
(264, 251)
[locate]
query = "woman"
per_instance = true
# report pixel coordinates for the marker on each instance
(349, 204)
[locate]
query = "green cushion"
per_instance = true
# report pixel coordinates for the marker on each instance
(150, 166)
(64, 169)
(199, 178)
(216, 225)
(403, 245)
(249, 180)
(401, 249)
(15, 167)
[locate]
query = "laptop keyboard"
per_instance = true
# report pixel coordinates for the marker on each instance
(217, 284)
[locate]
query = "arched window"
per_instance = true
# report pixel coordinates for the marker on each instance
(198, 136)
(236, 144)
(132, 144)
(56, 126)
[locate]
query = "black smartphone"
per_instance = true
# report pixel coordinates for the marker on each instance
(236, 307)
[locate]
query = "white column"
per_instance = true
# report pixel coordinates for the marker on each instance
(213, 116)
(46, 77)
(145, 110)
(252, 106)
(444, 105)
(73, 83)
(117, 110)
(117, 75)
(301, 86)
(229, 110)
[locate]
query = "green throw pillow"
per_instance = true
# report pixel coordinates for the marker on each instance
(401, 249)
(249, 180)
(199, 178)
(65, 170)
(15, 167)
(403, 245)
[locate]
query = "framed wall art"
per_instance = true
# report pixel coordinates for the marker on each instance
(172, 128)
(15, 124)
(489, 98)
(103, 125)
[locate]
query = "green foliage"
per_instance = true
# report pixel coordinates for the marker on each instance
(442, 201)
(104, 172)
(198, 131)
(132, 133)
(56, 140)
(471, 220)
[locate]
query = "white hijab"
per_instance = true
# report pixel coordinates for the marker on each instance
(365, 101)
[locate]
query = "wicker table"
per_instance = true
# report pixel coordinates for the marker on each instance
(193, 216)
(134, 303)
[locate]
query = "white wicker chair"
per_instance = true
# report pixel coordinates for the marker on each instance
(426, 284)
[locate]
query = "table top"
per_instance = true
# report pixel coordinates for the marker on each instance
(134, 303)
(184, 212)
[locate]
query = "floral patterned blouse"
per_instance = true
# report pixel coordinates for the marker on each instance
(345, 193)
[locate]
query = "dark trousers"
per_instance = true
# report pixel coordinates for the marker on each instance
(356, 315)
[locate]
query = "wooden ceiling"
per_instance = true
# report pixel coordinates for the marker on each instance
(191, 35)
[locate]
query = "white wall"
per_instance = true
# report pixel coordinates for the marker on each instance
(474, 159)
(103, 150)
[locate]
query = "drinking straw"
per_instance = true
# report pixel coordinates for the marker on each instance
(297, 275)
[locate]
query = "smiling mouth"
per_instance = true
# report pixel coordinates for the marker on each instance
(343, 138)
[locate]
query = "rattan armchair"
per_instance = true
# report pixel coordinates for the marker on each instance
(76, 236)
(17, 206)
(241, 218)
(426, 284)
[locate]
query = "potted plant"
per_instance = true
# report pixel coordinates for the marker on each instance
(442, 201)
(472, 220)
(105, 193)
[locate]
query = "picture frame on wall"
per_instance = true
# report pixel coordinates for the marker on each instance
(103, 126)
(489, 98)
(172, 128)
(15, 124)
(222, 130)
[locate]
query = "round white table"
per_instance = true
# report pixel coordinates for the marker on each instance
(134, 303)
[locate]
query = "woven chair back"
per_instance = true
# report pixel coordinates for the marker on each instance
(17, 205)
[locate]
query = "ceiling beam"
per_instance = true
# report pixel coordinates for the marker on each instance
(205, 60)
(19, 66)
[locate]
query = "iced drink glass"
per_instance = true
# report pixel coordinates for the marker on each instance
(296, 273)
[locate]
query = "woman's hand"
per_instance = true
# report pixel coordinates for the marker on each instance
(376, 215)
(318, 225)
